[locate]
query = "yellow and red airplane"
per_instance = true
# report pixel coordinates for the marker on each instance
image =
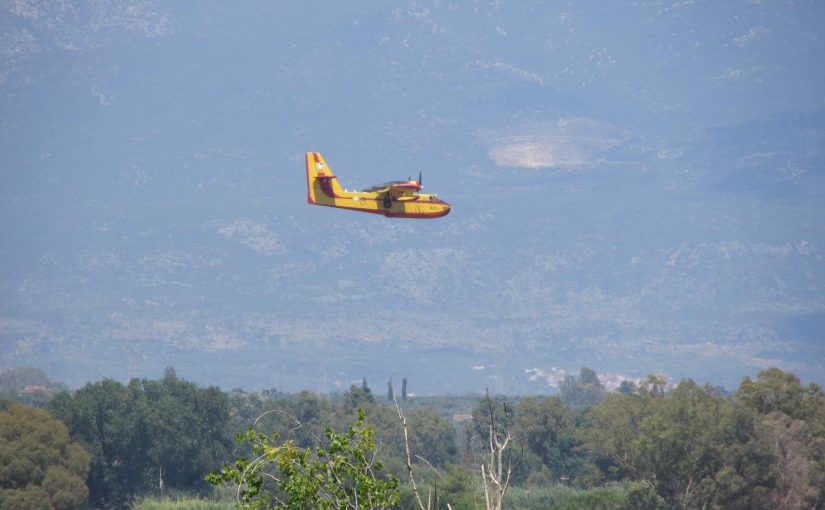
(396, 199)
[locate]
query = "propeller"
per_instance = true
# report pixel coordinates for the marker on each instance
(419, 181)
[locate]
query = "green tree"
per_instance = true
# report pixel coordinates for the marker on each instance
(104, 417)
(794, 417)
(584, 390)
(244, 408)
(642, 496)
(544, 425)
(312, 412)
(431, 436)
(339, 472)
(146, 436)
(628, 387)
(693, 447)
(799, 450)
(298, 419)
(653, 385)
(39, 466)
(188, 431)
(460, 488)
(358, 398)
(613, 430)
(775, 390)
(708, 451)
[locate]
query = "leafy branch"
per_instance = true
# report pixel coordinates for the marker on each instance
(340, 472)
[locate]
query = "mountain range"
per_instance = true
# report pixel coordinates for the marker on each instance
(635, 187)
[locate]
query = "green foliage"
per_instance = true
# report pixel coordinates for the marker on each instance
(431, 437)
(695, 448)
(613, 430)
(648, 446)
(104, 416)
(186, 427)
(653, 385)
(245, 407)
(39, 466)
(502, 415)
(642, 496)
(460, 488)
(628, 387)
(339, 472)
(793, 417)
(544, 425)
(584, 390)
(5, 403)
(299, 418)
(146, 432)
(454, 485)
(302, 418)
(775, 390)
(358, 398)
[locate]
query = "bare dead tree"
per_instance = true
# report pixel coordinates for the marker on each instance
(498, 462)
(496, 469)
(160, 482)
(408, 462)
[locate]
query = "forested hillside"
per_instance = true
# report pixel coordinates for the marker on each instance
(647, 445)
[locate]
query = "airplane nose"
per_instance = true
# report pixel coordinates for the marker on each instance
(446, 210)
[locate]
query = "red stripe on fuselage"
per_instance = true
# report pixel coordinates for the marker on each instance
(436, 214)
(389, 214)
(356, 209)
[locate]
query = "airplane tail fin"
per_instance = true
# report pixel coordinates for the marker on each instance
(322, 185)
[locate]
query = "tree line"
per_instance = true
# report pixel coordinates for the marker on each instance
(648, 445)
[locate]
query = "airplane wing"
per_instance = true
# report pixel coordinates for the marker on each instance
(400, 190)
(406, 187)
(404, 191)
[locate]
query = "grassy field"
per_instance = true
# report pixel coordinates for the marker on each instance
(181, 504)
